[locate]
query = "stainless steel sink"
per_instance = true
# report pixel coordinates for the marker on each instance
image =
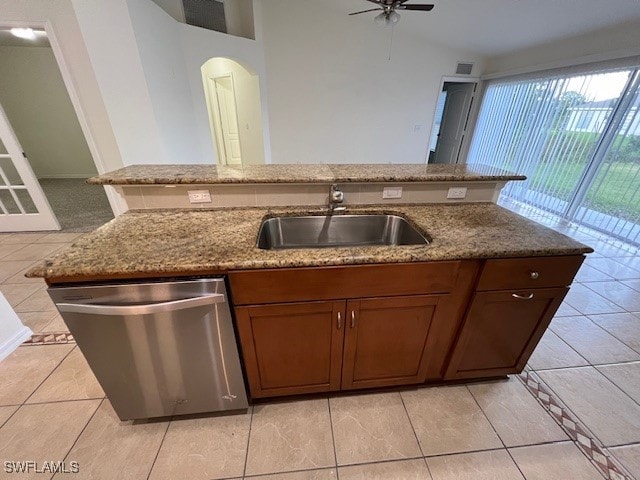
(337, 231)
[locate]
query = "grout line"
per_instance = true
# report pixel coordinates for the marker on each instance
(606, 298)
(246, 453)
(495, 431)
(333, 438)
(47, 377)
(9, 417)
(83, 429)
(568, 345)
(615, 336)
(155, 458)
(63, 401)
(617, 386)
(406, 411)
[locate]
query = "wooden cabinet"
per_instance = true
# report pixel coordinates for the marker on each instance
(311, 330)
(349, 340)
(387, 341)
(501, 331)
(514, 303)
(292, 348)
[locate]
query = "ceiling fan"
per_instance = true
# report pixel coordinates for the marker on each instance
(389, 16)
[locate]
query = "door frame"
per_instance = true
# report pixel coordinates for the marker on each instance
(114, 200)
(470, 118)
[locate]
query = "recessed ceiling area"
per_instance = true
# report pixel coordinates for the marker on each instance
(7, 39)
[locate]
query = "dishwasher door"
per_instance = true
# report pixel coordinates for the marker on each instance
(158, 349)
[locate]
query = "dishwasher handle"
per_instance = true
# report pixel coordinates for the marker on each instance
(172, 306)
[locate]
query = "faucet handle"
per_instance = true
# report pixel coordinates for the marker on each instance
(337, 195)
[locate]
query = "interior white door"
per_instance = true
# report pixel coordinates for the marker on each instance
(23, 206)
(454, 120)
(226, 96)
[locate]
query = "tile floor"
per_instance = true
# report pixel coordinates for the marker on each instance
(584, 377)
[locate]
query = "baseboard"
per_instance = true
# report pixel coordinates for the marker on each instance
(67, 175)
(14, 342)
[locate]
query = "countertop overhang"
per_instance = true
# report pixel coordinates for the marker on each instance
(299, 173)
(165, 243)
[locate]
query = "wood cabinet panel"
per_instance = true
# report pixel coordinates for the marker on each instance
(501, 330)
(386, 341)
(292, 348)
(533, 272)
(252, 287)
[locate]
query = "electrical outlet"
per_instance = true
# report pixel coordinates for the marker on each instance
(457, 192)
(199, 196)
(392, 192)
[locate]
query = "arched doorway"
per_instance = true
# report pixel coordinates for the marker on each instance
(232, 92)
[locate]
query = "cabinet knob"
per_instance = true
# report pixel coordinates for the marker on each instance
(534, 275)
(522, 297)
(353, 318)
(339, 320)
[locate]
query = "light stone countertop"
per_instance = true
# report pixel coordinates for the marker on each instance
(298, 173)
(164, 243)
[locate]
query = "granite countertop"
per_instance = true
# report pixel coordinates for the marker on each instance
(296, 173)
(176, 242)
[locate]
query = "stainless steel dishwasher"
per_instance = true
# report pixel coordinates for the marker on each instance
(158, 348)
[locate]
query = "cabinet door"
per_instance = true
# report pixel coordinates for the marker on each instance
(386, 341)
(501, 330)
(292, 348)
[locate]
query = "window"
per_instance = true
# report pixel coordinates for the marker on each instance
(574, 137)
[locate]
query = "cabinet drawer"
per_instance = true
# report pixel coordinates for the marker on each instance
(253, 287)
(532, 272)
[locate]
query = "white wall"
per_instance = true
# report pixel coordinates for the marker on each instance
(620, 41)
(12, 331)
(148, 68)
(200, 45)
(247, 90)
(166, 76)
(334, 96)
(58, 17)
(36, 101)
(109, 37)
(238, 15)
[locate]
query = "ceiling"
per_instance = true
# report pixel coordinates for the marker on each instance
(9, 40)
(496, 27)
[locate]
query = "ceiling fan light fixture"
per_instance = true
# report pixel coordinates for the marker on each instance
(381, 19)
(393, 18)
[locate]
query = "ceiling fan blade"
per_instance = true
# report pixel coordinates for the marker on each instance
(366, 11)
(424, 8)
(377, 2)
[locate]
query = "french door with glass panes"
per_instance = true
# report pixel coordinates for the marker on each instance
(23, 206)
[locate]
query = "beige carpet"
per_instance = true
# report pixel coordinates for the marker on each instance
(79, 207)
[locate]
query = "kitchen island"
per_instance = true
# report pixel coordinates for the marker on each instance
(473, 303)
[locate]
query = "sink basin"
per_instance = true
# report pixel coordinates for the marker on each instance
(337, 231)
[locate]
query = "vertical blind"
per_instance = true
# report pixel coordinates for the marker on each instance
(576, 138)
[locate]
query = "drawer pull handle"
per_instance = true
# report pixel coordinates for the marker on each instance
(339, 320)
(353, 318)
(534, 275)
(522, 297)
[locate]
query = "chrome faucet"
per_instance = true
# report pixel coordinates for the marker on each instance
(336, 197)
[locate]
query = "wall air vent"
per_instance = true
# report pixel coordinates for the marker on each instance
(206, 14)
(464, 68)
